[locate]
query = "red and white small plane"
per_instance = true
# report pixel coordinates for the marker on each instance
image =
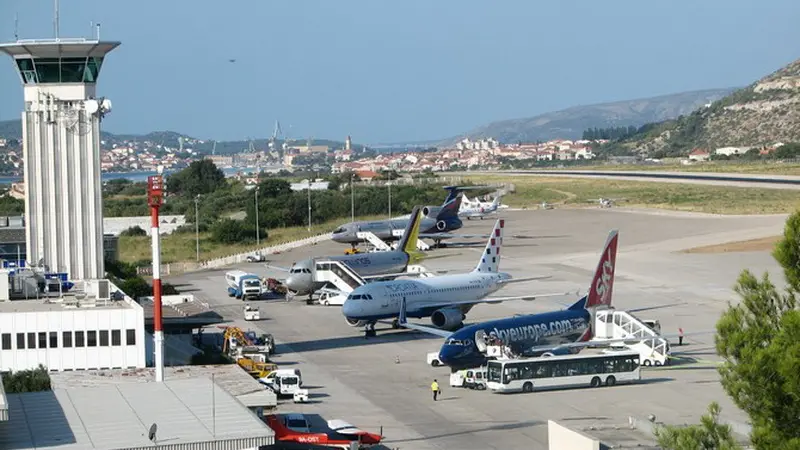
(340, 434)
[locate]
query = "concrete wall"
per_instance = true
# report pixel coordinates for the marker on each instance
(116, 225)
(560, 437)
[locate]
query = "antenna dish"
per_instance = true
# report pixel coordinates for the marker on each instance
(152, 433)
(106, 105)
(92, 106)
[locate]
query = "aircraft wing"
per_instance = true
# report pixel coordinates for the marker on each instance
(451, 236)
(520, 280)
(493, 300)
(414, 326)
(282, 269)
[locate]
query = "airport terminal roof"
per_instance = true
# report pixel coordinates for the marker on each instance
(191, 413)
(230, 377)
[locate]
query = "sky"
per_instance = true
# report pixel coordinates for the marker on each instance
(400, 71)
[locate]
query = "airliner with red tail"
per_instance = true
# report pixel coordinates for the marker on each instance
(553, 333)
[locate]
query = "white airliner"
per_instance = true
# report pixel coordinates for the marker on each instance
(478, 209)
(446, 299)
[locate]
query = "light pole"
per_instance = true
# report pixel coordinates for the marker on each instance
(309, 203)
(197, 225)
(352, 199)
(258, 232)
(389, 183)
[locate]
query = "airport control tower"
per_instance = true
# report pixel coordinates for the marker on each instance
(61, 136)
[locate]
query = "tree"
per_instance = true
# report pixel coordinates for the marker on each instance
(35, 380)
(201, 177)
(759, 340)
(135, 230)
(709, 435)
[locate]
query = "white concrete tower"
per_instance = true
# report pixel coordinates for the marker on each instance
(61, 135)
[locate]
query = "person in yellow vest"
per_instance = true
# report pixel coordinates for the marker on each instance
(435, 389)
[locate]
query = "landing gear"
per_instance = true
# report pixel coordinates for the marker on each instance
(369, 330)
(396, 324)
(310, 299)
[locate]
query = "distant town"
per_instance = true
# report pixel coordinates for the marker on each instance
(143, 156)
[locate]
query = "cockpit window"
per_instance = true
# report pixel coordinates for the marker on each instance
(339, 230)
(455, 342)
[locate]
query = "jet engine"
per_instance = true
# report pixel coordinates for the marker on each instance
(431, 211)
(447, 318)
(355, 322)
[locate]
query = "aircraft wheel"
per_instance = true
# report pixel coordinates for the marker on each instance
(395, 324)
(596, 382)
(527, 387)
(610, 381)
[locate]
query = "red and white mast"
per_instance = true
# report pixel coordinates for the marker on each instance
(155, 190)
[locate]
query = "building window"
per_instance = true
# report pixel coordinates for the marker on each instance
(20, 341)
(91, 338)
(66, 339)
(6, 341)
(53, 339)
(130, 337)
(116, 337)
(103, 338)
(79, 339)
(31, 340)
(42, 339)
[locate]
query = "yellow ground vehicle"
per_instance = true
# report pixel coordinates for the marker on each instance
(256, 369)
(352, 251)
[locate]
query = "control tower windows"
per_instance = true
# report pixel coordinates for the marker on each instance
(59, 70)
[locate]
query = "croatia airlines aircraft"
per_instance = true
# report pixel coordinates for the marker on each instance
(553, 332)
(446, 299)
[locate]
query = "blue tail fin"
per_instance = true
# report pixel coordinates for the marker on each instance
(580, 304)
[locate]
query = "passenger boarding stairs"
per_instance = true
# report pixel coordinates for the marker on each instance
(337, 274)
(421, 245)
(611, 324)
(376, 242)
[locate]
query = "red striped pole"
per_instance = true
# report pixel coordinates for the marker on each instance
(155, 198)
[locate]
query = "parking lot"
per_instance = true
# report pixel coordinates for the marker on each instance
(359, 380)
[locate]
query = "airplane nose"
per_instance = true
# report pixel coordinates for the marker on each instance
(348, 308)
(446, 356)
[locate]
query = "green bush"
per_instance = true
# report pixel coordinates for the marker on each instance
(36, 380)
(229, 231)
(135, 230)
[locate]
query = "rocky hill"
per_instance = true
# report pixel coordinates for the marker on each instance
(570, 123)
(761, 114)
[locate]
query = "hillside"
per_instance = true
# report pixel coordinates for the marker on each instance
(570, 123)
(12, 129)
(761, 114)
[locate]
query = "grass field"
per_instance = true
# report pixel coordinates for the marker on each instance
(756, 167)
(576, 192)
(182, 246)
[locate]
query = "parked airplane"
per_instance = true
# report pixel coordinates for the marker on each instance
(479, 209)
(607, 202)
(446, 299)
(544, 331)
(301, 278)
(436, 222)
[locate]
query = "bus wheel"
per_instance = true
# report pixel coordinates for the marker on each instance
(610, 381)
(596, 382)
(647, 362)
(527, 387)
(658, 363)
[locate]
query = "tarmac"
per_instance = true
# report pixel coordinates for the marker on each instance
(358, 380)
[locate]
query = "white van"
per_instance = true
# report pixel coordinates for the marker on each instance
(328, 298)
(458, 378)
(475, 379)
(433, 359)
(286, 373)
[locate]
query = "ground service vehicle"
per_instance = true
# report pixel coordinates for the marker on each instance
(328, 298)
(569, 371)
(243, 285)
(251, 313)
(433, 359)
(282, 384)
(288, 373)
(475, 379)
(458, 378)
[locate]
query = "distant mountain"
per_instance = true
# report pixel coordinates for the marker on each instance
(763, 113)
(570, 123)
(12, 129)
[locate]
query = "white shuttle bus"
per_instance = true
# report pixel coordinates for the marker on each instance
(569, 371)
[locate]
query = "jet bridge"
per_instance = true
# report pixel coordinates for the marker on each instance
(338, 274)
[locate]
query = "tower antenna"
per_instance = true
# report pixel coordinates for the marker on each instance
(16, 26)
(56, 19)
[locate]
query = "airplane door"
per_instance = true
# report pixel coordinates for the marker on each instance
(480, 340)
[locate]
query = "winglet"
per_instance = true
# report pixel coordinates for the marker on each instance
(408, 243)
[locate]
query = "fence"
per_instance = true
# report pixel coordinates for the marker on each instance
(182, 267)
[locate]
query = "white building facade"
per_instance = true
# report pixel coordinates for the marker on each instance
(71, 338)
